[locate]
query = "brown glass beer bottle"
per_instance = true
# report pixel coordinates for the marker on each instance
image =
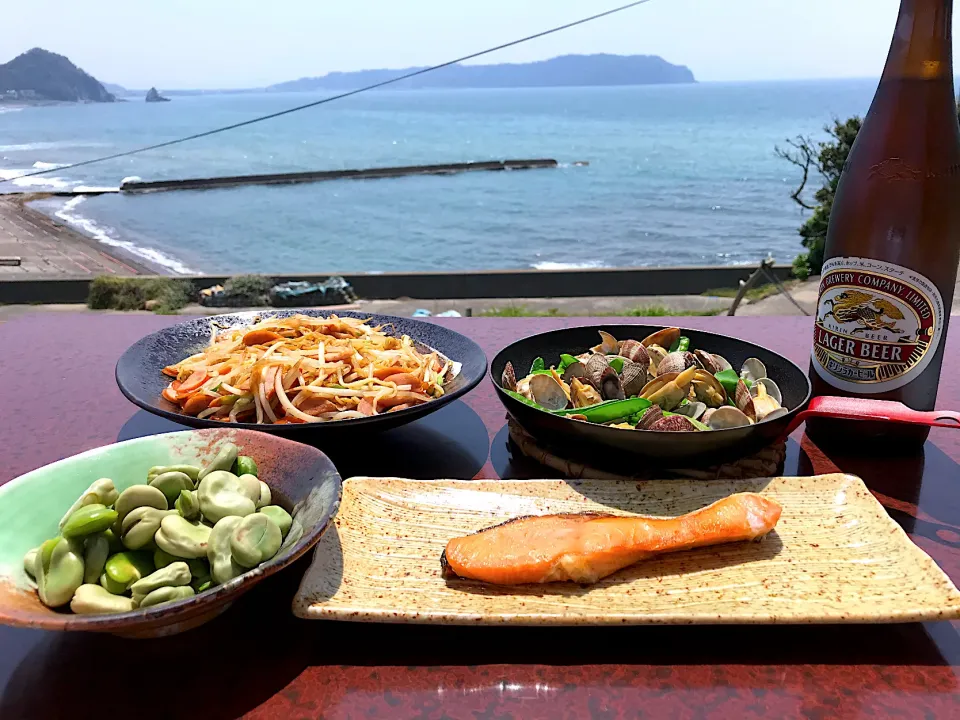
(893, 242)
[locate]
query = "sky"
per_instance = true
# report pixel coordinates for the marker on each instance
(178, 44)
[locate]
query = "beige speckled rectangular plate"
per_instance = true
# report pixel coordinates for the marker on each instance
(835, 556)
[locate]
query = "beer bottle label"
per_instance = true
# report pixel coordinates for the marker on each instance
(878, 325)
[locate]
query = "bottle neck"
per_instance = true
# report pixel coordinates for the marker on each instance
(922, 47)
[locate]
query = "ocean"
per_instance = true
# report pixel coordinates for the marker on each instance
(677, 175)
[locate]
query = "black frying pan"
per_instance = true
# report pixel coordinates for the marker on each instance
(626, 448)
(679, 449)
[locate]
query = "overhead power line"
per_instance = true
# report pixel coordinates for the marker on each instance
(326, 100)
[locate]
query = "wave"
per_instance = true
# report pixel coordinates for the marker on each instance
(14, 175)
(39, 165)
(548, 265)
(69, 215)
(26, 147)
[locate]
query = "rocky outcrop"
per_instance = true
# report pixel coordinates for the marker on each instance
(154, 96)
(41, 75)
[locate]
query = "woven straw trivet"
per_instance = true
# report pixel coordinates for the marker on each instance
(765, 463)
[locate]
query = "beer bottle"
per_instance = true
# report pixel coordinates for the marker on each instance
(893, 241)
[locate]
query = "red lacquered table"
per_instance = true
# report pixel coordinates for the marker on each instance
(58, 397)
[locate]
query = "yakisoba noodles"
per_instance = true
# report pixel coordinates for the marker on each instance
(302, 369)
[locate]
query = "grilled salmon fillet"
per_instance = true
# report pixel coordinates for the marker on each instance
(586, 547)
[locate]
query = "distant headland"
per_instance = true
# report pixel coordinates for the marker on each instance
(41, 76)
(563, 71)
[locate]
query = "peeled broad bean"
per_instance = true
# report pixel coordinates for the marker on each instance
(224, 460)
(172, 575)
(92, 599)
(280, 516)
(141, 525)
(222, 565)
(192, 471)
(250, 487)
(29, 559)
(88, 520)
(46, 550)
(221, 495)
(245, 465)
(265, 495)
(182, 538)
(255, 539)
(113, 538)
(171, 483)
(188, 504)
(137, 496)
(57, 583)
(100, 492)
(161, 559)
(96, 550)
(165, 595)
(125, 568)
(112, 586)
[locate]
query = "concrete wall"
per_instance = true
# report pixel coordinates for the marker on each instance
(444, 286)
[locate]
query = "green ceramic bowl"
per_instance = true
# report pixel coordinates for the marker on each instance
(301, 478)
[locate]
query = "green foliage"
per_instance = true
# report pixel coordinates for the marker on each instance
(254, 287)
(125, 293)
(801, 266)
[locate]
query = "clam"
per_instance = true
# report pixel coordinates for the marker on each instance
(604, 378)
(708, 390)
(547, 392)
(665, 338)
(770, 387)
(774, 414)
(676, 362)
(722, 362)
(753, 370)
(649, 417)
(668, 391)
(763, 403)
(509, 378)
(744, 401)
(693, 410)
(674, 423)
(705, 418)
(634, 351)
(583, 394)
(656, 355)
(726, 417)
(633, 377)
(574, 370)
(608, 344)
(708, 361)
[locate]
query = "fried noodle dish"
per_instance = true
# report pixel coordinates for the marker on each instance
(303, 369)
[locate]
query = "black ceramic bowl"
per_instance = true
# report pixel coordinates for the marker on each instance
(141, 381)
(608, 446)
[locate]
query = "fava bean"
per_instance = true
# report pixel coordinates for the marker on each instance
(245, 465)
(172, 575)
(165, 595)
(221, 495)
(255, 539)
(88, 520)
(223, 460)
(139, 496)
(46, 550)
(188, 505)
(125, 568)
(96, 550)
(250, 487)
(223, 567)
(280, 516)
(28, 561)
(113, 539)
(58, 582)
(265, 495)
(140, 526)
(161, 558)
(95, 600)
(171, 483)
(111, 586)
(191, 471)
(101, 492)
(182, 538)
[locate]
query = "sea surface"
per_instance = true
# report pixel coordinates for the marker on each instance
(677, 175)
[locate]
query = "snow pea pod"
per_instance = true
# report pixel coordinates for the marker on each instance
(608, 411)
(728, 378)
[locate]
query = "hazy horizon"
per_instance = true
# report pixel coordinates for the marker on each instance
(238, 45)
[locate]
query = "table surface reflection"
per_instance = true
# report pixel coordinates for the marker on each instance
(58, 397)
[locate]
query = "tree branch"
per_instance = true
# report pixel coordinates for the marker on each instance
(803, 156)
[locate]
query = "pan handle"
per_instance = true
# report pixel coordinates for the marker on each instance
(885, 410)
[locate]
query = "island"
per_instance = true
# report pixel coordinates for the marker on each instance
(563, 71)
(42, 76)
(154, 96)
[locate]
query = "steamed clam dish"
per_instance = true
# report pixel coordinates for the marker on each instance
(659, 383)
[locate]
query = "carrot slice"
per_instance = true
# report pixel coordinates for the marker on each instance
(196, 403)
(171, 371)
(170, 394)
(196, 379)
(381, 373)
(405, 379)
(259, 337)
